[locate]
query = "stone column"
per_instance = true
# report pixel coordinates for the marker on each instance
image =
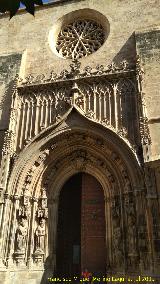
(4, 228)
(12, 227)
(108, 232)
(23, 125)
(31, 236)
(52, 230)
(2, 204)
(27, 120)
(116, 107)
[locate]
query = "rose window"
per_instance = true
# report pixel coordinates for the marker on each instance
(79, 39)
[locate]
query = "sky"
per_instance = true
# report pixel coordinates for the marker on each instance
(44, 1)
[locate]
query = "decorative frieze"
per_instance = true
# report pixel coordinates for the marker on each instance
(76, 72)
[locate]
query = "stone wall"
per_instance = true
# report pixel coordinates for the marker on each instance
(25, 32)
(25, 48)
(148, 47)
(30, 35)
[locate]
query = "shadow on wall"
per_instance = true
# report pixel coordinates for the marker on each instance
(48, 272)
(127, 52)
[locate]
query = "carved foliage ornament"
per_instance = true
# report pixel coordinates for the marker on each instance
(144, 131)
(76, 72)
(8, 142)
(80, 38)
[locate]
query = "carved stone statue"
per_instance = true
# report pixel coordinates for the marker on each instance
(21, 234)
(117, 238)
(127, 185)
(43, 198)
(117, 245)
(40, 236)
(116, 216)
(131, 235)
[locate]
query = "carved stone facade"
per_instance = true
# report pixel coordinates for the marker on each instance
(92, 117)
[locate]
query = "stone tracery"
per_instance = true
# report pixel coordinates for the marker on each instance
(79, 39)
(104, 100)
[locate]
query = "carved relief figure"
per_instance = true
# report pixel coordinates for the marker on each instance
(131, 244)
(117, 237)
(43, 198)
(118, 250)
(40, 236)
(143, 242)
(21, 234)
(127, 185)
(131, 235)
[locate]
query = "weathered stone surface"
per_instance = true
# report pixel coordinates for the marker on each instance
(99, 115)
(148, 47)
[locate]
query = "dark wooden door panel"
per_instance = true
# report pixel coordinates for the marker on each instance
(93, 243)
(81, 227)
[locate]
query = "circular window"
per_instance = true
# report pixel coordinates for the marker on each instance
(78, 33)
(79, 39)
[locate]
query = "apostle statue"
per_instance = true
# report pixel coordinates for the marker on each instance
(40, 236)
(131, 235)
(21, 235)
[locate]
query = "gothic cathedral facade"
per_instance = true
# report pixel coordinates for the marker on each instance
(79, 140)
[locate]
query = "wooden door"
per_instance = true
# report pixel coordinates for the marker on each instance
(93, 229)
(69, 228)
(81, 227)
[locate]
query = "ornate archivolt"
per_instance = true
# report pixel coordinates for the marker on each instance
(33, 191)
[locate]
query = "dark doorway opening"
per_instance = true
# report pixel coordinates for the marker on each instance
(81, 230)
(69, 228)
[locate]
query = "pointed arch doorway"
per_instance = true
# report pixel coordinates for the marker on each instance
(81, 229)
